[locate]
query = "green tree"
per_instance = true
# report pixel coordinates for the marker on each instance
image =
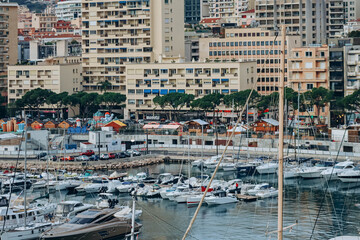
(208, 103)
(176, 101)
(87, 103)
(238, 100)
(34, 99)
(111, 100)
(352, 102)
(104, 86)
(354, 34)
(319, 97)
(57, 100)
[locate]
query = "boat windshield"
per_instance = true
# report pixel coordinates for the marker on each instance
(339, 167)
(64, 208)
(77, 220)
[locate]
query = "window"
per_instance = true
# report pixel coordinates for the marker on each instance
(309, 86)
(308, 54)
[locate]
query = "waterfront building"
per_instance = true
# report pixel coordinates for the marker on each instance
(8, 41)
(146, 81)
(254, 44)
(117, 32)
(352, 61)
(192, 44)
(24, 18)
(61, 74)
(44, 22)
(314, 20)
(195, 10)
(68, 10)
(308, 69)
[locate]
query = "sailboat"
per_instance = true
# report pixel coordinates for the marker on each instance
(34, 225)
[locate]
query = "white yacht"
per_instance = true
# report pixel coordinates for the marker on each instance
(220, 199)
(351, 176)
(267, 168)
(313, 172)
(126, 187)
(258, 188)
(332, 173)
(165, 178)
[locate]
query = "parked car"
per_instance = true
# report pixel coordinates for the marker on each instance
(82, 158)
(122, 155)
(94, 157)
(49, 158)
(133, 152)
(68, 158)
(88, 153)
(112, 155)
(127, 154)
(104, 156)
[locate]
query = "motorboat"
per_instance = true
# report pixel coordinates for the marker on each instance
(313, 172)
(198, 163)
(258, 188)
(346, 238)
(291, 172)
(351, 176)
(165, 178)
(332, 173)
(31, 231)
(220, 199)
(126, 187)
(69, 209)
(112, 186)
(97, 186)
(106, 200)
(227, 167)
(267, 168)
(267, 193)
(246, 168)
(166, 190)
(16, 183)
(92, 224)
(67, 184)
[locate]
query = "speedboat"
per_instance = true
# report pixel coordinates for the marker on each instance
(106, 200)
(227, 167)
(267, 193)
(69, 209)
(267, 168)
(165, 178)
(332, 173)
(97, 186)
(126, 187)
(351, 176)
(92, 224)
(220, 198)
(246, 168)
(67, 184)
(198, 163)
(290, 172)
(31, 231)
(258, 188)
(346, 238)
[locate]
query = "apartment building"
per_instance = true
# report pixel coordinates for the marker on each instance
(24, 18)
(195, 10)
(314, 20)
(68, 10)
(8, 41)
(253, 44)
(146, 81)
(138, 31)
(308, 69)
(352, 69)
(192, 52)
(351, 10)
(56, 74)
(43, 22)
(229, 10)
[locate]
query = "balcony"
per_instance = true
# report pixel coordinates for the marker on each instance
(351, 74)
(352, 62)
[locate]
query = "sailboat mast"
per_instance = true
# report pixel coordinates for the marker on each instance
(281, 135)
(25, 165)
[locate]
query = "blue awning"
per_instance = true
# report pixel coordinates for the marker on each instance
(352, 79)
(147, 80)
(163, 91)
(225, 80)
(147, 91)
(181, 91)
(123, 2)
(164, 80)
(172, 90)
(216, 80)
(225, 91)
(234, 90)
(155, 91)
(146, 29)
(189, 69)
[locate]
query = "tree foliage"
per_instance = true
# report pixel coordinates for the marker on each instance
(238, 100)
(352, 101)
(111, 99)
(319, 97)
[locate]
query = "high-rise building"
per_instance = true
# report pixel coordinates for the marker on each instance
(8, 41)
(68, 10)
(314, 20)
(246, 44)
(43, 22)
(137, 31)
(195, 10)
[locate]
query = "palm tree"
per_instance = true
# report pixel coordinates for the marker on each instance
(105, 85)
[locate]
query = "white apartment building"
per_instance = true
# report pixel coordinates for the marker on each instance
(57, 74)
(351, 10)
(137, 31)
(229, 10)
(68, 10)
(352, 69)
(146, 81)
(314, 20)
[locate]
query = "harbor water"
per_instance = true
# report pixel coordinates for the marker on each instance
(313, 209)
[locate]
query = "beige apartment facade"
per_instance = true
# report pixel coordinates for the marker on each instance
(352, 69)
(57, 74)
(250, 44)
(44, 22)
(146, 81)
(308, 69)
(118, 32)
(8, 41)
